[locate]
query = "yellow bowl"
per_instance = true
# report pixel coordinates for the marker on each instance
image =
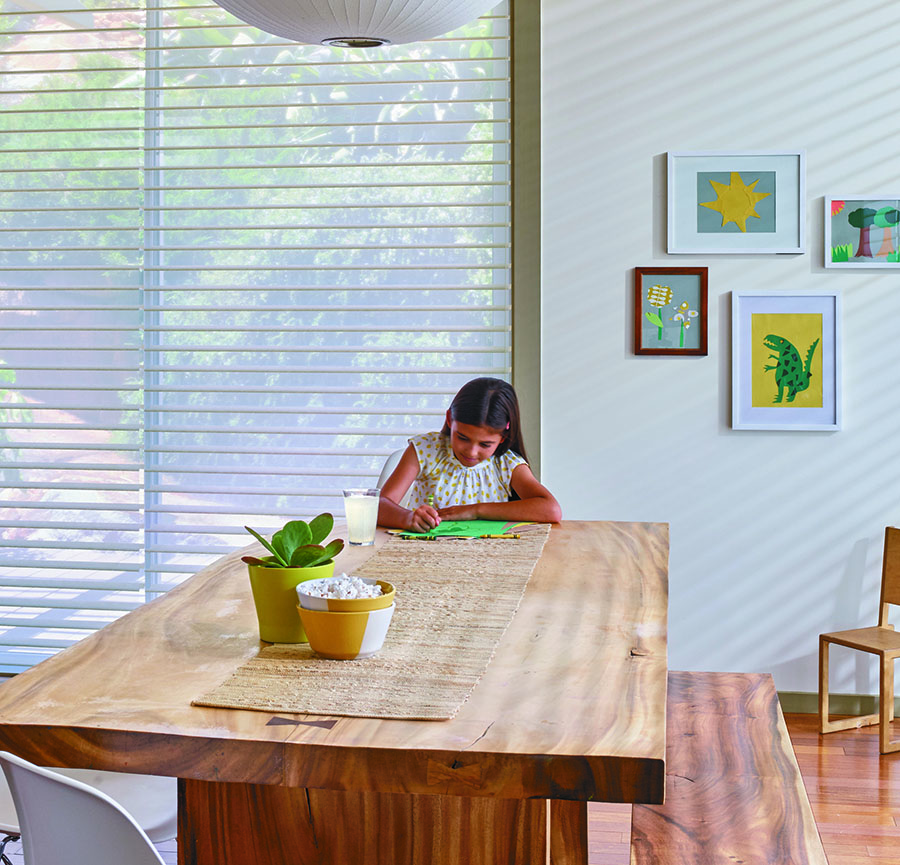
(345, 605)
(346, 636)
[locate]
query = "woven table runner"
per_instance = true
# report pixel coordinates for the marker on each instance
(455, 599)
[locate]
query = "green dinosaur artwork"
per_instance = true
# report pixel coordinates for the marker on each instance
(787, 353)
(791, 374)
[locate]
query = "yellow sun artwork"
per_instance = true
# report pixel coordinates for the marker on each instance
(735, 201)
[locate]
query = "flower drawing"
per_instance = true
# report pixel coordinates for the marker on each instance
(658, 296)
(684, 315)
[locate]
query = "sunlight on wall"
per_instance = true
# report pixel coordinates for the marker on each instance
(776, 536)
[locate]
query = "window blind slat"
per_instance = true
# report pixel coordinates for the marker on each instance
(30, 619)
(235, 274)
(82, 600)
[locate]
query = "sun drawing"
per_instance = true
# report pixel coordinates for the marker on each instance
(736, 201)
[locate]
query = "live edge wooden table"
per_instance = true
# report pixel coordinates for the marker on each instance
(570, 710)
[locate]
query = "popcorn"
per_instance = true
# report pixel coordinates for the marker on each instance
(342, 586)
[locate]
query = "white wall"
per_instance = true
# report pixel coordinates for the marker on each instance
(775, 536)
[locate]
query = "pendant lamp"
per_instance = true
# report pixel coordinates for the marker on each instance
(357, 23)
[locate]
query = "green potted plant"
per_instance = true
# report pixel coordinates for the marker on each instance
(297, 555)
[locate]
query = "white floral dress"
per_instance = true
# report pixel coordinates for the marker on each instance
(442, 475)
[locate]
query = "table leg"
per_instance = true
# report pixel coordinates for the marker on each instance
(568, 832)
(247, 824)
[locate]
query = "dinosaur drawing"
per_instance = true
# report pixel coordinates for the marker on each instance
(790, 374)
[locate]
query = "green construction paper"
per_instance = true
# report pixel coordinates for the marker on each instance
(466, 528)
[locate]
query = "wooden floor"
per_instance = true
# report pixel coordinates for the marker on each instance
(854, 792)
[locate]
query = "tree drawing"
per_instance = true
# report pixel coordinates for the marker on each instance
(862, 218)
(886, 219)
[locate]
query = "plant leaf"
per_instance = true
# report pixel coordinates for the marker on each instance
(334, 547)
(320, 527)
(653, 318)
(260, 563)
(279, 545)
(268, 546)
(294, 534)
(307, 556)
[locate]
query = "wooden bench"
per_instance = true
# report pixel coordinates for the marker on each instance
(733, 789)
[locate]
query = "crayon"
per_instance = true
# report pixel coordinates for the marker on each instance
(513, 537)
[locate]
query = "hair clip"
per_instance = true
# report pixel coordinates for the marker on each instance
(507, 425)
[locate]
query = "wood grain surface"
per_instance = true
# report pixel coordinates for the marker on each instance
(568, 832)
(734, 791)
(245, 824)
(570, 707)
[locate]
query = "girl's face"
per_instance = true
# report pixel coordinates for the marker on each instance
(472, 444)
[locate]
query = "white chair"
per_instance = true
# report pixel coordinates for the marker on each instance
(64, 818)
(389, 465)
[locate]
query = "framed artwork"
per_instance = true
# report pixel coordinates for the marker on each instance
(862, 231)
(741, 202)
(670, 310)
(786, 360)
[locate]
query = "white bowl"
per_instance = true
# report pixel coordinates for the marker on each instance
(345, 605)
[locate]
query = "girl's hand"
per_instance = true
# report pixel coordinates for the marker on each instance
(459, 512)
(423, 518)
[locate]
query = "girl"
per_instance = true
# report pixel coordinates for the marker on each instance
(470, 469)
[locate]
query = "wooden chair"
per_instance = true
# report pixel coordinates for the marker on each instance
(881, 640)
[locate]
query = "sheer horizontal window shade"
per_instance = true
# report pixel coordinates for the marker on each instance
(235, 274)
(70, 401)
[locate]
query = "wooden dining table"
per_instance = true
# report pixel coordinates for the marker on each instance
(570, 710)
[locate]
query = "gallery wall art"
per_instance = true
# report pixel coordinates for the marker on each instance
(862, 232)
(740, 202)
(786, 360)
(670, 310)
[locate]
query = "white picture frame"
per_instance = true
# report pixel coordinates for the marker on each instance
(763, 371)
(703, 219)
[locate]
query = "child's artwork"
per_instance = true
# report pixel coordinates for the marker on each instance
(736, 202)
(862, 232)
(786, 367)
(467, 529)
(670, 315)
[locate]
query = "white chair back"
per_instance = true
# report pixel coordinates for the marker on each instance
(389, 465)
(152, 800)
(65, 821)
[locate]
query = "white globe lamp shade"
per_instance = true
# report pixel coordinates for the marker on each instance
(357, 23)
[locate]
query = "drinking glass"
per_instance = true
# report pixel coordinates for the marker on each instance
(361, 509)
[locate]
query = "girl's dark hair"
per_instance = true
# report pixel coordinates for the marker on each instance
(490, 402)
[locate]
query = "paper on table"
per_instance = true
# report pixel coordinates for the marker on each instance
(468, 528)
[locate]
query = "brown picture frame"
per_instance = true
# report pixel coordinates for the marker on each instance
(680, 298)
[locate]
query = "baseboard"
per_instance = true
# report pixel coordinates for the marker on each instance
(805, 703)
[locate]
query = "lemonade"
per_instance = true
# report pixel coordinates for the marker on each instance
(361, 508)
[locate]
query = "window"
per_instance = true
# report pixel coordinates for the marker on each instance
(235, 274)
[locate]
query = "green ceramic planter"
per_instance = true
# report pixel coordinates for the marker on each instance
(275, 597)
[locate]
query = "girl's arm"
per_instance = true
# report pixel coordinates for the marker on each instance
(390, 512)
(536, 504)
